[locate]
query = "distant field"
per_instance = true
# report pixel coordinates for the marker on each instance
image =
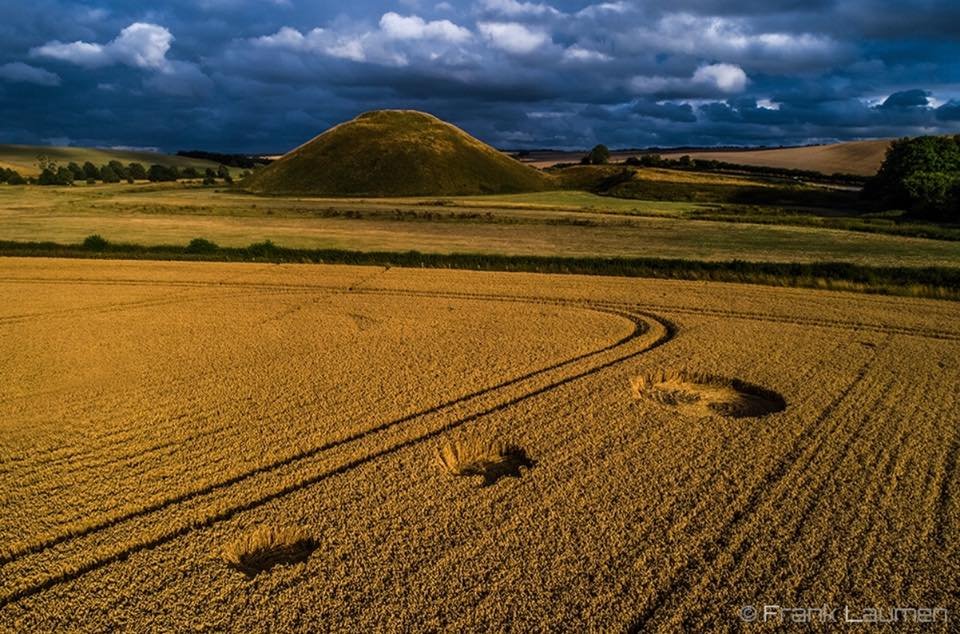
(23, 158)
(857, 157)
(174, 214)
(688, 449)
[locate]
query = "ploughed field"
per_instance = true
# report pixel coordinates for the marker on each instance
(686, 449)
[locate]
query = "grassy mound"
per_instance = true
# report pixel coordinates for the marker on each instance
(396, 153)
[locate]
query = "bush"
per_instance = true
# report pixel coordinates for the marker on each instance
(96, 242)
(201, 245)
(263, 249)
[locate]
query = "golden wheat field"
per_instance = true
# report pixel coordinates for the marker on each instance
(246, 447)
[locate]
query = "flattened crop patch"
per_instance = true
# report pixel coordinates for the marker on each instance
(262, 549)
(700, 394)
(491, 460)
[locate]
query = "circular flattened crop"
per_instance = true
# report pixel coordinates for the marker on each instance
(701, 394)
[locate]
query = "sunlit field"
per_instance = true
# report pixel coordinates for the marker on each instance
(273, 446)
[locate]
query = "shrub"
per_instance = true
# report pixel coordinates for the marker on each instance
(263, 249)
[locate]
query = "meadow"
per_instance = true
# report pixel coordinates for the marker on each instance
(282, 446)
(562, 224)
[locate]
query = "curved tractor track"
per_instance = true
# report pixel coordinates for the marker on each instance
(79, 550)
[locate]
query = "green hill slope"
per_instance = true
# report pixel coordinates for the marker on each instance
(23, 158)
(396, 153)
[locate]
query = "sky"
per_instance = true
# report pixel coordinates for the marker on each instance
(263, 76)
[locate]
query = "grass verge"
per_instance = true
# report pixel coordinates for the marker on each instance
(933, 282)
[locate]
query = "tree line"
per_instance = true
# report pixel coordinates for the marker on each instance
(52, 173)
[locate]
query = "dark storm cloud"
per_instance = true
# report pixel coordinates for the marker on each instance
(264, 75)
(906, 99)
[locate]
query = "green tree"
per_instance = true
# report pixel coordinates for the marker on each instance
(14, 178)
(90, 171)
(162, 173)
(77, 171)
(190, 172)
(224, 172)
(137, 171)
(118, 169)
(107, 175)
(919, 175)
(64, 176)
(47, 177)
(599, 155)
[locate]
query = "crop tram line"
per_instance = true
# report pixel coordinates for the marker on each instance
(649, 331)
(356, 287)
(801, 453)
(644, 322)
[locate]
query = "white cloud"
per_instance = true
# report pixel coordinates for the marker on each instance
(733, 40)
(577, 53)
(141, 44)
(595, 10)
(416, 28)
(707, 80)
(728, 78)
(25, 73)
(512, 37)
(80, 53)
(390, 44)
(513, 8)
(317, 40)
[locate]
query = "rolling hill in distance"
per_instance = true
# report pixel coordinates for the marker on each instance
(396, 153)
(862, 158)
(23, 158)
(374, 153)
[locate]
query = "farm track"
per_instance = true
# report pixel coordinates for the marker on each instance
(286, 476)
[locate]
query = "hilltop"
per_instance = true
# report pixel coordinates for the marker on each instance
(396, 153)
